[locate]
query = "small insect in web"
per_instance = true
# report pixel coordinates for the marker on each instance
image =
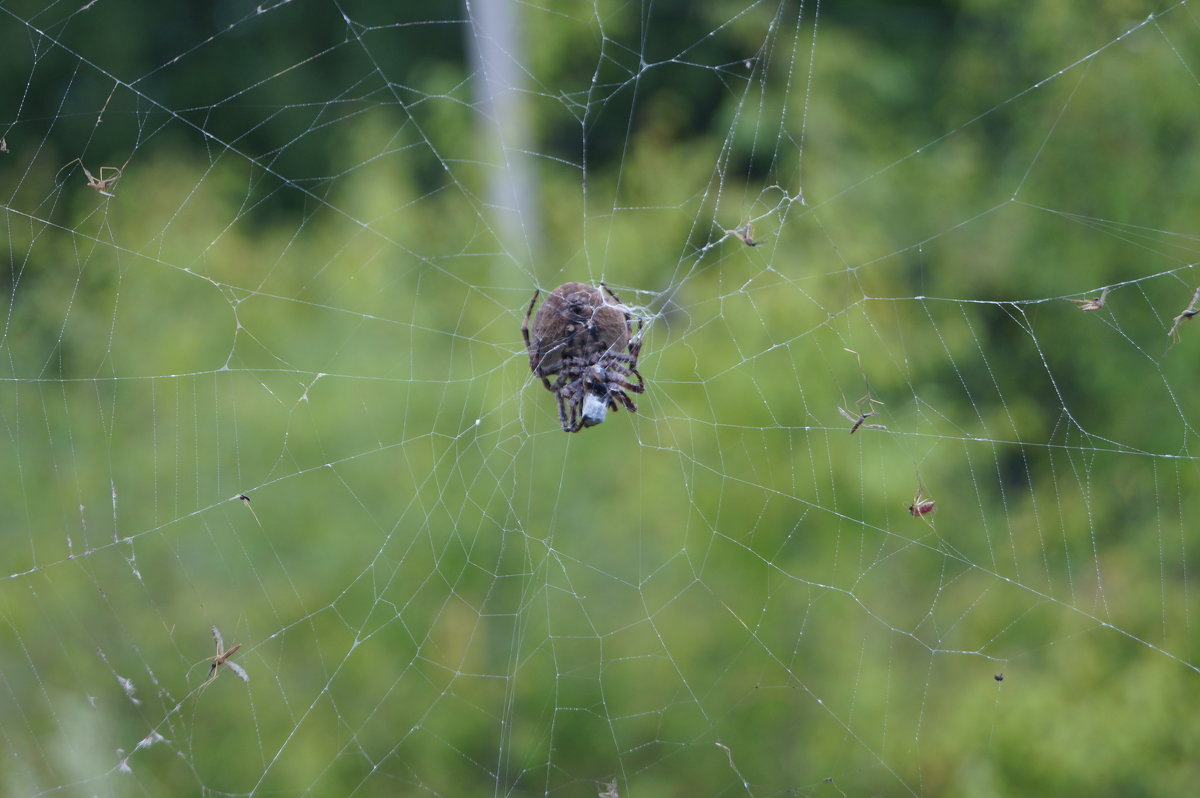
(222, 658)
(609, 789)
(745, 234)
(857, 421)
(1188, 312)
(859, 416)
(921, 505)
(246, 501)
(589, 343)
(102, 185)
(999, 677)
(1093, 303)
(3, 145)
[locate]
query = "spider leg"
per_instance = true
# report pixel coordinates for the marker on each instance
(628, 319)
(617, 393)
(620, 368)
(574, 392)
(533, 359)
(611, 294)
(628, 386)
(567, 393)
(576, 421)
(635, 348)
(562, 412)
(620, 304)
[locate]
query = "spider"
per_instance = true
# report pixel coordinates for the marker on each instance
(588, 341)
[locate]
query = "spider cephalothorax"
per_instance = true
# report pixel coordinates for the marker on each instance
(588, 342)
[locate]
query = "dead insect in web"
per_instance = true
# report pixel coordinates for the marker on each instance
(921, 505)
(1094, 303)
(1187, 313)
(246, 501)
(222, 658)
(745, 234)
(999, 677)
(857, 421)
(3, 145)
(102, 185)
(609, 789)
(589, 344)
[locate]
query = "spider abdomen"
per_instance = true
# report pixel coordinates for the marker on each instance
(576, 319)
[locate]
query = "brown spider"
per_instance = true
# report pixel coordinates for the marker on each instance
(589, 343)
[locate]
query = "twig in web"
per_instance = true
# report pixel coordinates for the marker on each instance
(100, 116)
(732, 765)
(1094, 303)
(1188, 312)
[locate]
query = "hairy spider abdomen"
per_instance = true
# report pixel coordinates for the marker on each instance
(576, 318)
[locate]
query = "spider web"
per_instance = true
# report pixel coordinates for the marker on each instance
(262, 371)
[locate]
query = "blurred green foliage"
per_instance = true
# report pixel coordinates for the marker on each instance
(299, 293)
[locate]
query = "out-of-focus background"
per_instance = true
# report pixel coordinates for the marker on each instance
(284, 252)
